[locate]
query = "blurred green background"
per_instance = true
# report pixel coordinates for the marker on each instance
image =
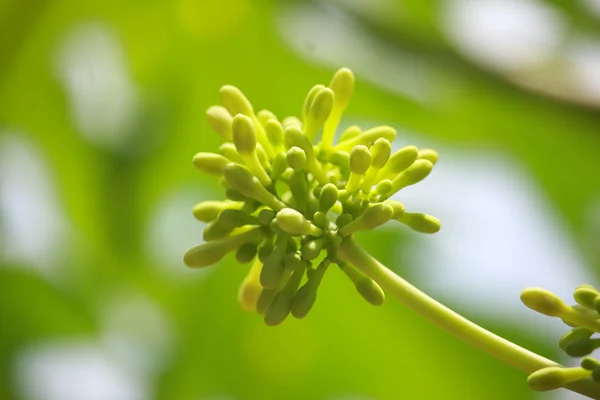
(102, 108)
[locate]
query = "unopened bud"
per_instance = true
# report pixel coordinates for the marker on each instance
(228, 150)
(294, 223)
(220, 120)
(360, 160)
(234, 101)
(398, 162)
(574, 335)
(551, 378)
(429, 155)
(309, 99)
(210, 163)
(296, 158)
(370, 291)
(319, 111)
(209, 253)
(373, 217)
(420, 222)
(207, 211)
(274, 132)
(246, 253)
(418, 171)
(328, 197)
(398, 207)
(367, 137)
(264, 116)
(544, 302)
(242, 180)
(586, 295)
(312, 249)
(244, 134)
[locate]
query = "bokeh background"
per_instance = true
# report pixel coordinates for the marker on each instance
(102, 108)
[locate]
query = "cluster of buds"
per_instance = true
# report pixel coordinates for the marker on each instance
(291, 200)
(584, 320)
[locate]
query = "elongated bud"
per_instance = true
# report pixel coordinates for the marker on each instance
(360, 160)
(418, 171)
(234, 101)
(264, 116)
(294, 223)
(420, 222)
(582, 347)
(210, 163)
(359, 163)
(342, 86)
(296, 158)
(274, 132)
(306, 296)
(544, 302)
(309, 99)
(574, 335)
(207, 211)
(265, 248)
(312, 249)
(551, 378)
(380, 153)
(319, 111)
(589, 363)
(250, 288)
(273, 268)
(279, 308)
(246, 253)
(244, 134)
(398, 207)
(294, 137)
(265, 216)
(350, 132)
(328, 197)
(367, 137)
(586, 295)
(398, 162)
(236, 218)
(343, 220)
(370, 291)
(429, 155)
(242, 180)
(373, 217)
(279, 166)
(220, 120)
(291, 121)
(292, 261)
(209, 253)
(216, 230)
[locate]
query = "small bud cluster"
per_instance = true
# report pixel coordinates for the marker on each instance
(291, 200)
(584, 320)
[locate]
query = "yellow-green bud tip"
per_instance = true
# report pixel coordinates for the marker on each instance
(543, 301)
(244, 134)
(296, 158)
(360, 160)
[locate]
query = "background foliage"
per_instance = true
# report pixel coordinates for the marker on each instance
(102, 107)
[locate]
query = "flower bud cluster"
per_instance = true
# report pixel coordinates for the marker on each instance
(292, 199)
(583, 319)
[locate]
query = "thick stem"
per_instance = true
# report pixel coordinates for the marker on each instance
(452, 322)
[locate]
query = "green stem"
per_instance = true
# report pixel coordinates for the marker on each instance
(452, 322)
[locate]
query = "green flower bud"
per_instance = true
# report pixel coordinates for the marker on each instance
(236, 218)
(209, 253)
(319, 111)
(343, 220)
(265, 248)
(312, 249)
(589, 363)
(220, 120)
(309, 99)
(264, 116)
(279, 308)
(551, 378)
(250, 288)
(574, 335)
(367, 137)
(216, 230)
(398, 162)
(373, 217)
(328, 197)
(274, 132)
(210, 163)
(582, 347)
(413, 174)
(429, 155)
(370, 291)
(350, 132)
(244, 134)
(296, 158)
(596, 375)
(294, 223)
(342, 86)
(586, 295)
(246, 253)
(544, 302)
(380, 153)
(398, 209)
(294, 137)
(279, 166)
(306, 296)
(242, 180)
(228, 150)
(234, 101)
(273, 268)
(207, 211)
(420, 222)
(360, 160)
(384, 187)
